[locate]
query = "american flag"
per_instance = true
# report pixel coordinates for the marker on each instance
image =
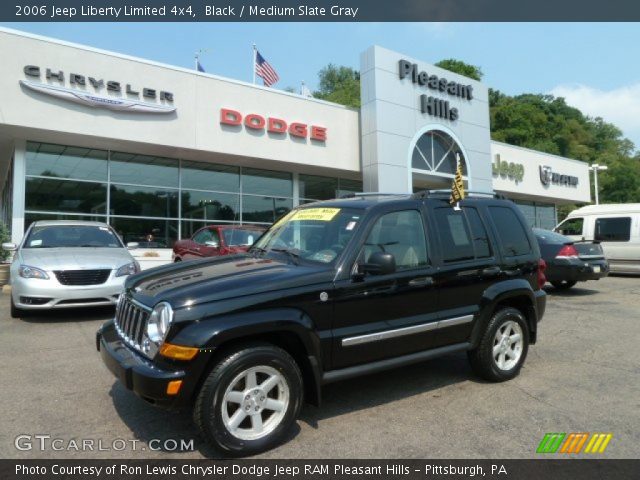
(265, 71)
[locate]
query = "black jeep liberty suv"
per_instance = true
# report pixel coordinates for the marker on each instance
(332, 290)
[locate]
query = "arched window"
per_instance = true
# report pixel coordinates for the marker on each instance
(436, 152)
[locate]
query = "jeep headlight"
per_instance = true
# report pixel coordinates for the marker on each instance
(159, 322)
(128, 269)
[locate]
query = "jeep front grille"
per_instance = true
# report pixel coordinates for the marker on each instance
(131, 320)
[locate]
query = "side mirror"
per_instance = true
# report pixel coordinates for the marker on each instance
(211, 243)
(380, 263)
(9, 247)
(132, 245)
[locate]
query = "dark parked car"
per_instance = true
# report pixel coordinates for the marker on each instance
(333, 290)
(217, 240)
(569, 262)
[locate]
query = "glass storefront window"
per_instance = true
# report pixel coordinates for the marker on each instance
(264, 209)
(49, 194)
(198, 205)
(143, 169)
(143, 201)
(204, 176)
(161, 193)
(348, 186)
(317, 188)
(60, 161)
(29, 218)
(266, 182)
(148, 233)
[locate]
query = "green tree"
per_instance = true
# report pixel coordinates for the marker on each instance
(339, 84)
(462, 68)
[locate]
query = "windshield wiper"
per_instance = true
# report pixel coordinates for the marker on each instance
(295, 257)
(257, 250)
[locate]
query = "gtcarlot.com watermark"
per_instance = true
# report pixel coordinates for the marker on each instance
(48, 443)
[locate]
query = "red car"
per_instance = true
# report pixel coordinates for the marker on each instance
(216, 240)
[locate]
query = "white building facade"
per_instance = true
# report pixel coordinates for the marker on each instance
(159, 150)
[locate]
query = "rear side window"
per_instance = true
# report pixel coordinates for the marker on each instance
(462, 234)
(513, 236)
(613, 229)
(571, 226)
(478, 233)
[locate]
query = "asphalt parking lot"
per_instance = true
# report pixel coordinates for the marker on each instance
(582, 376)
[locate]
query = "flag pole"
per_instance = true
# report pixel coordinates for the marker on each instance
(253, 63)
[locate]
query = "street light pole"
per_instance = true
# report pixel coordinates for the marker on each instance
(596, 167)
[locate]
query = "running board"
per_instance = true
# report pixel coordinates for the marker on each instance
(381, 365)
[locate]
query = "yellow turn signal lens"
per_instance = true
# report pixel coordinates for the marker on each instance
(178, 352)
(173, 387)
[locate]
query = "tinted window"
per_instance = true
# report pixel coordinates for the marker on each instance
(478, 233)
(143, 169)
(266, 182)
(71, 236)
(204, 176)
(317, 188)
(401, 234)
(49, 194)
(198, 205)
(143, 201)
(511, 232)
(547, 236)
(264, 209)
(613, 229)
(66, 162)
(150, 233)
(236, 236)
(206, 235)
(455, 235)
(571, 226)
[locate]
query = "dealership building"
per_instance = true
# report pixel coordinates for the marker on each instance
(159, 151)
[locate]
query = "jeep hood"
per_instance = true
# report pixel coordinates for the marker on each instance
(201, 281)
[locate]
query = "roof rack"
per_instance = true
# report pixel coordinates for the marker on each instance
(374, 194)
(470, 193)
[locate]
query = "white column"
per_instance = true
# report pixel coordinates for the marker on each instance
(19, 184)
(296, 189)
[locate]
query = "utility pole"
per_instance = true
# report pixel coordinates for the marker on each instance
(596, 167)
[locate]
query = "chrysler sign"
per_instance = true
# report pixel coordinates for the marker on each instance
(89, 91)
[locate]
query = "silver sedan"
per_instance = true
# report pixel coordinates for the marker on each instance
(64, 264)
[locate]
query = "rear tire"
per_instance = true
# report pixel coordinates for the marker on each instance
(250, 400)
(503, 346)
(563, 284)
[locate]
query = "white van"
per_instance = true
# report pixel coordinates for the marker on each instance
(616, 226)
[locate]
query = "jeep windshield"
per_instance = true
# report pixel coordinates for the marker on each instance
(314, 234)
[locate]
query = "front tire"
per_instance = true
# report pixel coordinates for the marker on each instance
(250, 400)
(503, 347)
(17, 312)
(563, 284)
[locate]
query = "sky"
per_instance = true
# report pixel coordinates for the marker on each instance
(593, 65)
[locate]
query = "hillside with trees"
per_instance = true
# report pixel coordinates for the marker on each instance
(537, 121)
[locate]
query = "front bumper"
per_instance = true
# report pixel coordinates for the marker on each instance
(138, 374)
(576, 270)
(37, 294)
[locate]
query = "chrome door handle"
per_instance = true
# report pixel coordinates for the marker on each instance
(491, 271)
(422, 281)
